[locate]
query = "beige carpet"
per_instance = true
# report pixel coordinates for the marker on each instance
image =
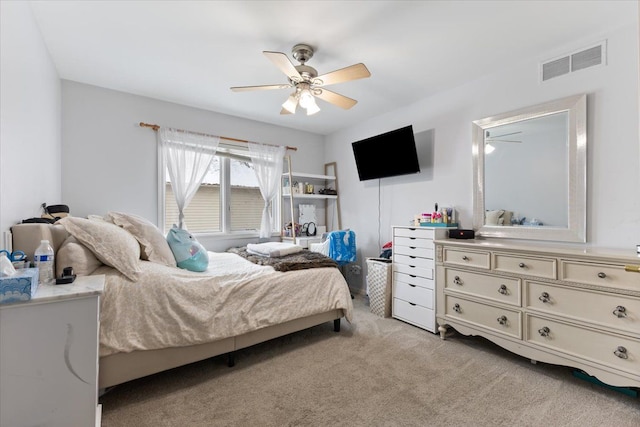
(376, 372)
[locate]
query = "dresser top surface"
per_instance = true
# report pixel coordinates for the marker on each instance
(546, 248)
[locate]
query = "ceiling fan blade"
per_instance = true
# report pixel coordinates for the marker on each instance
(335, 98)
(284, 64)
(285, 111)
(263, 87)
(353, 72)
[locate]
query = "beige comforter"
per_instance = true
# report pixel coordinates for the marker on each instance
(170, 307)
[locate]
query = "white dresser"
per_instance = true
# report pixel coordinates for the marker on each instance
(557, 304)
(49, 356)
(413, 285)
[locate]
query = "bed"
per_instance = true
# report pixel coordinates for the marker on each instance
(155, 316)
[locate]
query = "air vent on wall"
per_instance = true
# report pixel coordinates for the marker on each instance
(575, 61)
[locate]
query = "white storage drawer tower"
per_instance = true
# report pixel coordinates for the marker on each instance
(413, 288)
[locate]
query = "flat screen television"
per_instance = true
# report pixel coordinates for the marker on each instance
(389, 154)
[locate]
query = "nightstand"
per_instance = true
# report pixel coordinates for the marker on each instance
(49, 356)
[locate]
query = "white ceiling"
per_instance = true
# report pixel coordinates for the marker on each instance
(192, 52)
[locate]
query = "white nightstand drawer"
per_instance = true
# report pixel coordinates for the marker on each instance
(417, 315)
(413, 280)
(413, 251)
(413, 294)
(417, 232)
(412, 242)
(413, 260)
(413, 271)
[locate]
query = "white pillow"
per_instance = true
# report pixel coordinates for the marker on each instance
(493, 217)
(111, 244)
(77, 256)
(153, 244)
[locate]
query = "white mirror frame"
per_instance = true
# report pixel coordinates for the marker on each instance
(576, 106)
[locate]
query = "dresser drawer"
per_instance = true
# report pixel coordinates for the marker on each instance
(497, 319)
(586, 344)
(502, 289)
(413, 294)
(413, 251)
(413, 260)
(426, 273)
(414, 314)
(467, 258)
(413, 242)
(529, 266)
(612, 310)
(423, 282)
(417, 232)
(610, 275)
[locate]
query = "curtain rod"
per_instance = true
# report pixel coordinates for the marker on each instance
(157, 127)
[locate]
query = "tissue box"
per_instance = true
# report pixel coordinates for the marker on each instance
(22, 286)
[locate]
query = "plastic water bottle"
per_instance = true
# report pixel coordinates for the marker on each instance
(43, 258)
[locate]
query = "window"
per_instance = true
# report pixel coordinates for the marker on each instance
(228, 200)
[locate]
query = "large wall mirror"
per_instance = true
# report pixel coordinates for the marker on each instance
(530, 172)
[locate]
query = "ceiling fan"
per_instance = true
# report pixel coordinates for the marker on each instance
(306, 82)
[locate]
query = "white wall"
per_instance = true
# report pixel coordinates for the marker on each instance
(613, 207)
(30, 118)
(110, 163)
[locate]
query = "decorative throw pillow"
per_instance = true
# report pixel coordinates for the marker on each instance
(506, 216)
(188, 252)
(493, 217)
(153, 245)
(111, 244)
(77, 256)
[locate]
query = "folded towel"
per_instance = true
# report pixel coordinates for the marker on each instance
(273, 249)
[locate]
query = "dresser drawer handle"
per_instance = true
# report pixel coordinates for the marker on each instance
(502, 320)
(503, 290)
(621, 352)
(413, 275)
(544, 331)
(412, 247)
(544, 297)
(465, 258)
(522, 265)
(456, 308)
(412, 257)
(620, 311)
(412, 238)
(602, 275)
(413, 286)
(411, 304)
(457, 281)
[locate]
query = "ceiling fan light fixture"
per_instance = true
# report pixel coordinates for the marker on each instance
(290, 104)
(312, 108)
(306, 99)
(308, 102)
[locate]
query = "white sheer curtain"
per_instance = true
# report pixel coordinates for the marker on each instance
(267, 163)
(188, 157)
